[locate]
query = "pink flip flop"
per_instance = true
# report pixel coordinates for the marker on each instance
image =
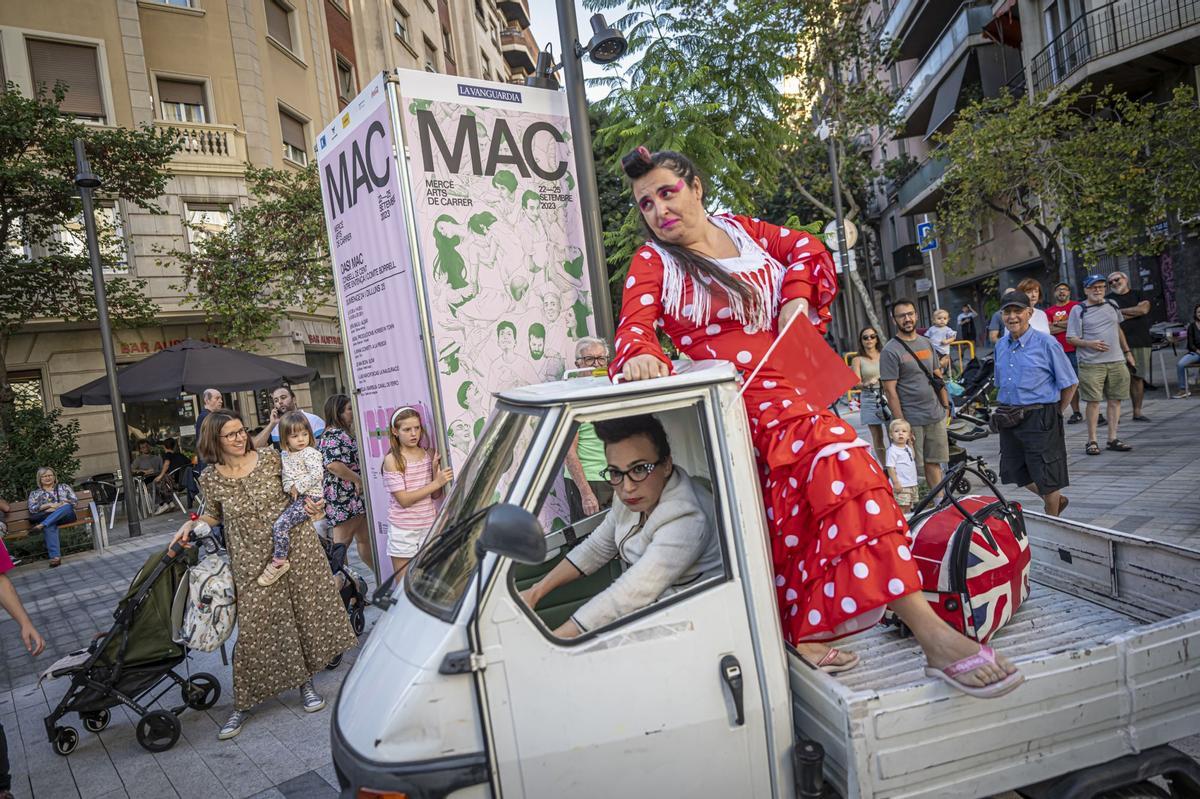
(984, 656)
(828, 665)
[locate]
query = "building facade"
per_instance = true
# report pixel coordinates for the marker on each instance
(948, 54)
(245, 81)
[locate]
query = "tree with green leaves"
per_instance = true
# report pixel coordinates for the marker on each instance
(736, 86)
(272, 256)
(1101, 168)
(44, 258)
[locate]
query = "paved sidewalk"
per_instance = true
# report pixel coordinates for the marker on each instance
(284, 752)
(281, 752)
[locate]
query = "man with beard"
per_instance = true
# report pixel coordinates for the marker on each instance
(908, 367)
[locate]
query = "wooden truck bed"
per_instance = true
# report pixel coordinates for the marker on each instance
(1109, 641)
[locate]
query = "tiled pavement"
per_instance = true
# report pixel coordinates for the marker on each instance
(284, 752)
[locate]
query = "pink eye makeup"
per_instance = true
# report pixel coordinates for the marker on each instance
(664, 193)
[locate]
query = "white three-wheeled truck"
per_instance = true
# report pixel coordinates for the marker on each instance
(462, 691)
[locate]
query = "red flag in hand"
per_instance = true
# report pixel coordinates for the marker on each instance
(800, 354)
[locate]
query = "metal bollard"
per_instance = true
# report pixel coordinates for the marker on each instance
(808, 760)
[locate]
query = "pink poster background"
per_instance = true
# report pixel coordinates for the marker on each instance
(373, 269)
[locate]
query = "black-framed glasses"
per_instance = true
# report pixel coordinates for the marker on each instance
(592, 360)
(235, 434)
(870, 337)
(636, 473)
(1114, 281)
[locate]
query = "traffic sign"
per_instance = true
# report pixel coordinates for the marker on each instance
(926, 240)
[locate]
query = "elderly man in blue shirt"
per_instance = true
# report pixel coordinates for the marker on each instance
(1035, 384)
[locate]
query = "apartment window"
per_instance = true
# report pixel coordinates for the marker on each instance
(71, 240)
(479, 12)
(448, 45)
(279, 22)
(430, 56)
(347, 86)
(3, 79)
(181, 101)
(294, 147)
(177, 3)
(204, 219)
(75, 65)
(487, 66)
(400, 24)
(28, 389)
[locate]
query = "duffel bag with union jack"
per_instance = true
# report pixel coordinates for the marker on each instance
(973, 556)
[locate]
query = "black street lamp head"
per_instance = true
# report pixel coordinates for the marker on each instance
(84, 178)
(607, 44)
(543, 73)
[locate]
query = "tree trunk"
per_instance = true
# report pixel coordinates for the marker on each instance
(864, 296)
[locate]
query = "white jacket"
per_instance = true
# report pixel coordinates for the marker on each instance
(676, 547)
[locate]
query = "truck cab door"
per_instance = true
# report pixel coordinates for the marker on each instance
(663, 702)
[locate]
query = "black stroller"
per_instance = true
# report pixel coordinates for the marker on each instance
(132, 660)
(351, 586)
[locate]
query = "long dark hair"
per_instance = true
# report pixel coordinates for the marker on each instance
(878, 342)
(335, 406)
(700, 267)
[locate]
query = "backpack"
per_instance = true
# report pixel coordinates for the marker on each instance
(974, 556)
(205, 608)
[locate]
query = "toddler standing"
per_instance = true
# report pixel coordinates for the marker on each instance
(413, 479)
(902, 464)
(303, 469)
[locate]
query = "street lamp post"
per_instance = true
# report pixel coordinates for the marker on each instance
(86, 182)
(605, 46)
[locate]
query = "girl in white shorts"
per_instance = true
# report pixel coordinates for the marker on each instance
(414, 479)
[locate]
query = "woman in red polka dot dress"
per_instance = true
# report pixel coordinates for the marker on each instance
(721, 287)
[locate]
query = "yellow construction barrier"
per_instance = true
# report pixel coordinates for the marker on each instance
(851, 394)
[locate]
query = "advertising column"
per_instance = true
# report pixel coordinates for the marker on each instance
(369, 240)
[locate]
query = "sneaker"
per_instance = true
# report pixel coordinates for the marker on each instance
(1102, 421)
(313, 701)
(1183, 394)
(163, 508)
(273, 572)
(1075, 418)
(233, 726)
(1141, 418)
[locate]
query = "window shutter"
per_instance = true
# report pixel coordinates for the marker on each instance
(178, 91)
(74, 65)
(293, 131)
(278, 25)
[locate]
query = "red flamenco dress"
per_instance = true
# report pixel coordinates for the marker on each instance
(838, 540)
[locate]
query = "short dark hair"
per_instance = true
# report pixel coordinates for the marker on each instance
(614, 431)
(286, 388)
(899, 302)
(507, 324)
(1068, 285)
(168, 444)
(537, 329)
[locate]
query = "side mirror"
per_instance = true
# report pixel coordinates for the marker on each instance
(513, 532)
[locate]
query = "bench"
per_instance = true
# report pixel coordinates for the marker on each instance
(19, 525)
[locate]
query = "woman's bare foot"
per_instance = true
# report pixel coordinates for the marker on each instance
(815, 653)
(944, 646)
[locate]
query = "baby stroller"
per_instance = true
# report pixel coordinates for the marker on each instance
(132, 660)
(351, 586)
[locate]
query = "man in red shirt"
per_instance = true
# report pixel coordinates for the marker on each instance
(33, 642)
(1057, 314)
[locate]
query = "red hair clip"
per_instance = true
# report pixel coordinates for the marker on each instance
(644, 153)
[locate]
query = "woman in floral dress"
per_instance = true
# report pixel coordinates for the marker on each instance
(344, 506)
(722, 287)
(290, 630)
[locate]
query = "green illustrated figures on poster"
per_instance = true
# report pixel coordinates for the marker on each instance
(448, 262)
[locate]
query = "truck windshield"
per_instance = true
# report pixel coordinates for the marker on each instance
(438, 577)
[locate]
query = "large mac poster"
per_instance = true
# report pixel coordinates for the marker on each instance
(501, 238)
(377, 291)
(499, 262)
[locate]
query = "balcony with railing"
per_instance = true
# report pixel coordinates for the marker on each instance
(515, 11)
(1108, 30)
(912, 25)
(965, 29)
(207, 148)
(519, 48)
(921, 190)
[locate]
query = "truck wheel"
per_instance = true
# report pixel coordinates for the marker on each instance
(1142, 790)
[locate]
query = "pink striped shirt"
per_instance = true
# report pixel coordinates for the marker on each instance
(415, 475)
